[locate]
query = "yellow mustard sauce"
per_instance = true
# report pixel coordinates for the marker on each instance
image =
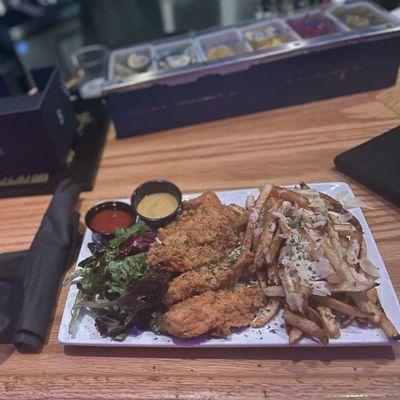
(157, 205)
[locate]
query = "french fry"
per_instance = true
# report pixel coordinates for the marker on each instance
(334, 237)
(329, 322)
(363, 249)
(358, 236)
(352, 287)
(314, 316)
(362, 322)
(269, 291)
(334, 279)
(290, 195)
(250, 202)
(254, 214)
(274, 247)
(344, 242)
(295, 295)
(307, 326)
(273, 275)
(266, 313)
(273, 291)
(347, 321)
(372, 310)
(295, 335)
(344, 230)
(259, 227)
(283, 227)
(334, 205)
(304, 185)
(372, 295)
(337, 263)
(389, 328)
(340, 306)
(265, 240)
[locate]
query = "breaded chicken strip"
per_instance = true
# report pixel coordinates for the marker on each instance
(205, 231)
(212, 276)
(214, 312)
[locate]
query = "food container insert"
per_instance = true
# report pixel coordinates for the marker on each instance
(268, 34)
(314, 24)
(359, 15)
(223, 44)
(177, 54)
(127, 63)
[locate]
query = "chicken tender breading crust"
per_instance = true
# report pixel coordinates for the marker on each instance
(222, 274)
(206, 230)
(214, 312)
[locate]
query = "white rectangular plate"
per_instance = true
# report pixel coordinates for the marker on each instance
(273, 334)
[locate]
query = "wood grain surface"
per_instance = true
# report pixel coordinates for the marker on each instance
(282, 146)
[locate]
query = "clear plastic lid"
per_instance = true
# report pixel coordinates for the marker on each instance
(223, 44)
(130, 62)
(177, 55)
(358, 15)
(267, 34)
(314, 24)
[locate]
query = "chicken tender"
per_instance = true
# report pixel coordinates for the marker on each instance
(214, 312)
(209, 277)
(205, 231)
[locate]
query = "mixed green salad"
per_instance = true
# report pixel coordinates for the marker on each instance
(117, 288)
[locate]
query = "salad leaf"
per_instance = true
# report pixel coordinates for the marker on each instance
(124, 271)
(136, 244)
(156, 323)
(123, 234)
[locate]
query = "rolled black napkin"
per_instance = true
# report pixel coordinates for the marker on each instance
(52, 250)
(11, 292)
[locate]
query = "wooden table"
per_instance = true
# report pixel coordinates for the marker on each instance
(282, 146)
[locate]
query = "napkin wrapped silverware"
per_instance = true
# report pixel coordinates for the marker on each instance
(34, 277)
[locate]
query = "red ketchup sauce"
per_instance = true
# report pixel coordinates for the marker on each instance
(108, 221)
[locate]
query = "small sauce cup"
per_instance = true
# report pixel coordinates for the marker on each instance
(105, 218)
(154, 187)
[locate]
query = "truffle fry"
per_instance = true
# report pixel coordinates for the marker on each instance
(352, 287)
(270, 291)
(266, 313)
(340, 306)
(273, 275)
(347, 321)
(372, 295)
(367, 307)
(329, 322)
(295, 335)
(337, 263)
(306, 325)
(261, 255)
(254, 215)
(250, 202)
(389, 328)
(290, 195)
(314, 316)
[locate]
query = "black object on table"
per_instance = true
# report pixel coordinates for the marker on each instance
(89, 139)
(29, 280)
(375, 164)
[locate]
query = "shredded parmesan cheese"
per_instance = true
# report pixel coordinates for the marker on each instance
(369, 268)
